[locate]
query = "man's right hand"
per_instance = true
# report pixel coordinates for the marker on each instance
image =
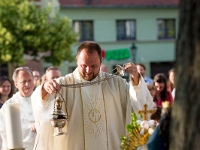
(50, 87)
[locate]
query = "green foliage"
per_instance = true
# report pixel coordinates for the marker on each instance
(133, 123)
(27, 29)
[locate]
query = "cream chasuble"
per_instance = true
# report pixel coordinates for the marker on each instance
(98, 115)
(94, 117)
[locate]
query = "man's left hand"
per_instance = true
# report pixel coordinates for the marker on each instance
(132, 70)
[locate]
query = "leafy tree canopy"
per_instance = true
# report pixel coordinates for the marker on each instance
(27, 29)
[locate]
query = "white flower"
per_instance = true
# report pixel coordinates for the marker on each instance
(148, 125)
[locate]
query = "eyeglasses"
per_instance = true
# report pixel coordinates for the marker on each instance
(25, 81)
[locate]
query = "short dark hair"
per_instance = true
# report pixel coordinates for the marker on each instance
(90, 47)
(52, 68)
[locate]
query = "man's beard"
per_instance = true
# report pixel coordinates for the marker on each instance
(89, 78)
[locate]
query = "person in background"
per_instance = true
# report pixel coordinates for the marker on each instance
(151, 89)
(142, 70)
(52, 73)
(174, 93)
(156, 114)
(36, 77)
(104, 68)
(159, 140)
(23, 81)
(162, 94)
(171, 74)
(42, 79)
(6, 90)
(171, 86)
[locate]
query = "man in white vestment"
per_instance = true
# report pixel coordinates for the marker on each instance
(98, 113)
(52, 73)
(23, 81)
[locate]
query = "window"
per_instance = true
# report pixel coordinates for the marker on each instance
(84, 29)
(126, 30)
(166, 28)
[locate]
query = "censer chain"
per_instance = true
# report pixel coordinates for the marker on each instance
(77, 85)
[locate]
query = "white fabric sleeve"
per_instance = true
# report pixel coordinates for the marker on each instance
(140, 95)
(42, 109)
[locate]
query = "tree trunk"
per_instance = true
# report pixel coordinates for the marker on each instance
(185, 125)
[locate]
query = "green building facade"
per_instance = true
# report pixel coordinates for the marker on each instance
(153, 31)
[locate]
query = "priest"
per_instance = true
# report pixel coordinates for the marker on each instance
(23, 81)
(98, 113)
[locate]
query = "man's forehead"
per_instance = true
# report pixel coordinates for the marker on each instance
(23, 74)
(86, 52)
(53, 72)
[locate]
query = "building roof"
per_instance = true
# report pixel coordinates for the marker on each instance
(119, 3)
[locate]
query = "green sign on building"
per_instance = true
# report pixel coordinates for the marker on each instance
(117, 54)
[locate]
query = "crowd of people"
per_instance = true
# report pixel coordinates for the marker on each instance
(162, 90)
(25, 81)
(98, 114)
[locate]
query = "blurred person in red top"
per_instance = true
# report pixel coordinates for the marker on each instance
(162, 94)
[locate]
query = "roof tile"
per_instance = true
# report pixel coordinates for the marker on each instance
(119, 2)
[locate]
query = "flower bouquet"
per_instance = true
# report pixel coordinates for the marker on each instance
(138, 133)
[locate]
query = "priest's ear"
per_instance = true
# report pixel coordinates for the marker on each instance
(16, 84)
